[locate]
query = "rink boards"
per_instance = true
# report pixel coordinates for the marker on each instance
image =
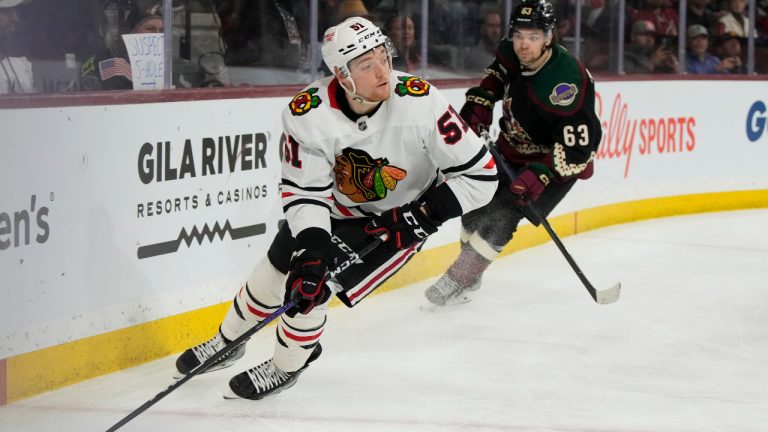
(125, 229)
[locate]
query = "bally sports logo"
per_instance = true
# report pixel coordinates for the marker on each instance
(626, 135)
(756, 121)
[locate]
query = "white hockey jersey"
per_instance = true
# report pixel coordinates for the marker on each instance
(336, 167)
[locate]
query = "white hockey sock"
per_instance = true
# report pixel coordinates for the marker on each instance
(260, 297)
(297, 336)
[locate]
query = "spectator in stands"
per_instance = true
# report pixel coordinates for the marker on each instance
(643, 56)
(596, 53)
(448, 21)
(351, 8)
(735, 21)
(266, 33)
(598, 16)
(111, 69)
(761, 12)
(700, 12)
(565, 11)
(698, 60)
(15, 71)
(729, 51)
(664, 18)
(484, 52)
(401, 30)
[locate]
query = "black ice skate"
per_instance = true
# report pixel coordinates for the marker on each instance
(197, 355)
(448, 292)
(266, 379)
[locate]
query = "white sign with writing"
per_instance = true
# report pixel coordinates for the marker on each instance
(140, 220)
(107, 223)
(147, 55)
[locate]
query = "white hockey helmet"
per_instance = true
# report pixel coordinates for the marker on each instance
(352, 38)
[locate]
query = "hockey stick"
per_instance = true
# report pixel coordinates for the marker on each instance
(605, 296)
(353, 257)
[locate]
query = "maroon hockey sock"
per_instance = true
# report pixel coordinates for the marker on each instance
(468, 267)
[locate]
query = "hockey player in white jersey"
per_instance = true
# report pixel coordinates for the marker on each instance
(368, 151)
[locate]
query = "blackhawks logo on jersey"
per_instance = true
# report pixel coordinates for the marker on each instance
(363, 178)
(412, 86)
(305, 101)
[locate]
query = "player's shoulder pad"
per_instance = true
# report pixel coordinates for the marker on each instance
(406, 85)
(505, 54)
(560, 86)
(309, 98)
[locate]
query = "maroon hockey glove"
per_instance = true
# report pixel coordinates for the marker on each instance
(306, 284)
(478, 110)
(529, 184)
(405, 226)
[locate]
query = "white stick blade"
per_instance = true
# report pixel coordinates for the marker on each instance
(609, 295)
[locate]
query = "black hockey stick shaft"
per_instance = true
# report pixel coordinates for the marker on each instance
(353, 257)
(603, 297)
(561, 246)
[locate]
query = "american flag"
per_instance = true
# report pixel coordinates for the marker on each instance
(115, 67)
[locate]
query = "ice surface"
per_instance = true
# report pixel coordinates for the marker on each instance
(684, 349)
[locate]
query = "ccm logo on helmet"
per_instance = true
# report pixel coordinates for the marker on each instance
(365, 36)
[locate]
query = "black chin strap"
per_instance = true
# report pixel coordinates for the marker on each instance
(346, 109)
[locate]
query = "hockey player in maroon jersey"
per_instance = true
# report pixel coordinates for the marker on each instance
(368, 151)
(549, 136)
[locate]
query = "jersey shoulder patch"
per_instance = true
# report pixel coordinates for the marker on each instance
(560, 85)
(305, 101)
(409, 85)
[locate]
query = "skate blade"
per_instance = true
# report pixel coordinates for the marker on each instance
(428, 306)
(230, 395)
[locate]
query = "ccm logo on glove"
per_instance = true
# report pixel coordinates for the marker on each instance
(404, 226)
